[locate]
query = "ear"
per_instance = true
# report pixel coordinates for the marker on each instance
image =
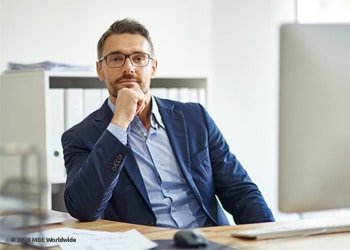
(154, 68)
(99, 71)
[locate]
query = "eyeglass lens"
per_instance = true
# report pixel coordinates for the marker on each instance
(116, 60)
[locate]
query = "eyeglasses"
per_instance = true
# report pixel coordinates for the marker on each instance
(117, 60)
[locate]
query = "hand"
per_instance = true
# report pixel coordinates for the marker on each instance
(130, 102)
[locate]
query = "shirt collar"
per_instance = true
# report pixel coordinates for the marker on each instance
(155, 115)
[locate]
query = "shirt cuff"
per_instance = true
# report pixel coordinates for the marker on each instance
(119, 133)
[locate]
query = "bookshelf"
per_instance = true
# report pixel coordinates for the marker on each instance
(38, 106)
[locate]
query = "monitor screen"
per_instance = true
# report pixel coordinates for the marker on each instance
(314, 117)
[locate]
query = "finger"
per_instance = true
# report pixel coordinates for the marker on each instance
(141, 104)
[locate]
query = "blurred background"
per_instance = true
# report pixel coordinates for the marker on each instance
(231, 43)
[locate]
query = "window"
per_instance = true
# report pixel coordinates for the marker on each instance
(321, 11)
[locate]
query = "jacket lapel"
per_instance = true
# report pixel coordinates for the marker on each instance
(136, 177)
(177, 132)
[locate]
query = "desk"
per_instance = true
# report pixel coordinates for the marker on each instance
(221, 235)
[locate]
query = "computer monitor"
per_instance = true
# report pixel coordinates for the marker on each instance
(314, 117)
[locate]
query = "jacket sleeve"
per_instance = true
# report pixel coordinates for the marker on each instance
(93, 163)
(236, 191)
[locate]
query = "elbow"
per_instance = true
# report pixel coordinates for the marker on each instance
(82, 216)
(79, 211)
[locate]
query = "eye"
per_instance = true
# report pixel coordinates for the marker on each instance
(116, 58)
(139, 58)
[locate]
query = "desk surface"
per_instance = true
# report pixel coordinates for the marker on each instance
(221, 235)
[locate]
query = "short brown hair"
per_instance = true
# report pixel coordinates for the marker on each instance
(126, 25)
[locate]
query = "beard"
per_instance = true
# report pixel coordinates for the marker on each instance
(118, 84)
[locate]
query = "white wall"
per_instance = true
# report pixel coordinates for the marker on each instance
(245, 83)
(232, 42)
(68, 30)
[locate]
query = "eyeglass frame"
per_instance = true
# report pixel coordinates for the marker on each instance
(126, 56)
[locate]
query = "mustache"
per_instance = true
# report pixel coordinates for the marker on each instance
(127, 77)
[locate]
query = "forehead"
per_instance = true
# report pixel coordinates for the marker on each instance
(126, 43)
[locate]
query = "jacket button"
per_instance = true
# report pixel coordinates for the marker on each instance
(118, 160)
(119, 157)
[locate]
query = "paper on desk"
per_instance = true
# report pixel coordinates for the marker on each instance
(76, 239)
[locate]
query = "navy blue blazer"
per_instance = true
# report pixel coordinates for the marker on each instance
(104, 181)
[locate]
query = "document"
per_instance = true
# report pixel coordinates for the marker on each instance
(77, 239)
(48, 65)
(73, 106)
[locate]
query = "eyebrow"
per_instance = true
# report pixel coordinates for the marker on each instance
(119, 52)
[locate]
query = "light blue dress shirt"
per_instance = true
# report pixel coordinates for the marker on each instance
(173, 203)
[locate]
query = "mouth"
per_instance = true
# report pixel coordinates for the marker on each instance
(128, 83)
(127, 80)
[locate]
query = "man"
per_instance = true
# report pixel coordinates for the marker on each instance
(145, 160)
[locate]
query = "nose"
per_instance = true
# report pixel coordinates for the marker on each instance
(128, 68)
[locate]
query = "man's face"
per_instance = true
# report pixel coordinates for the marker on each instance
(127, 76)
